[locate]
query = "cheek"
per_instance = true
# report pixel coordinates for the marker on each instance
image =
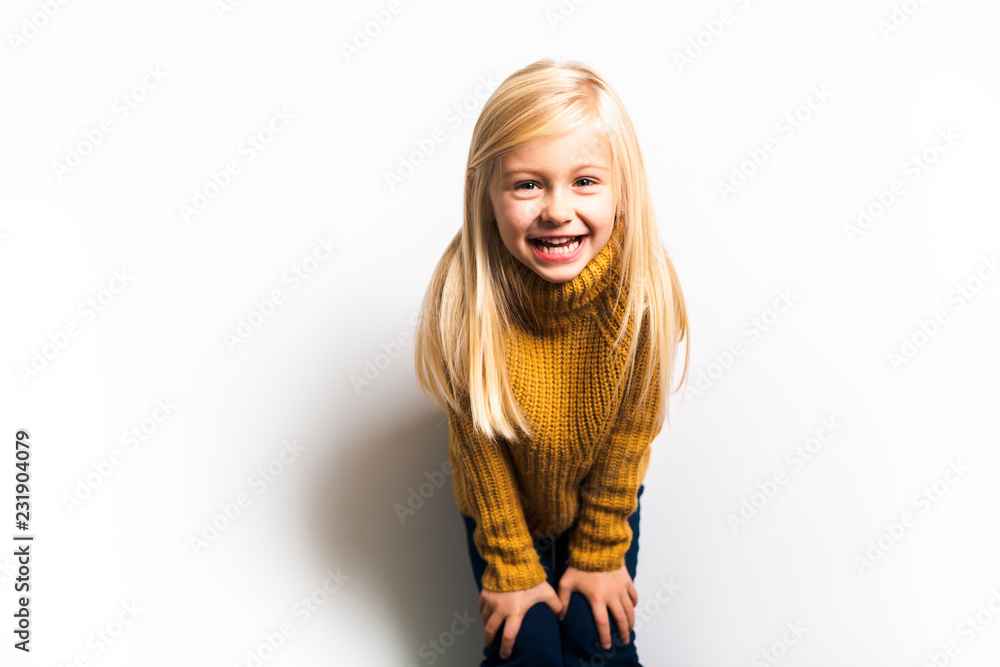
(601, 211)
(520, 213)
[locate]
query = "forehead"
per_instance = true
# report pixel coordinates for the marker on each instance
(579, 147)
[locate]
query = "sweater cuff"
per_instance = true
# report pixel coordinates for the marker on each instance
(518, 577)
(602, 535)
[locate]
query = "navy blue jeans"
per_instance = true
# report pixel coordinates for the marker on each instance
(545, 641)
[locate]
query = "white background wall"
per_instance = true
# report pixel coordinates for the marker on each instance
(354, 452)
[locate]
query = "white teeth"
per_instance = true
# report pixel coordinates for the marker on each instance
(562, 250)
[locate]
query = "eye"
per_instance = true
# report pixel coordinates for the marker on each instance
(518, 186)
(584, 178)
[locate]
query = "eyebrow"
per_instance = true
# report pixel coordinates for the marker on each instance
(529, 170)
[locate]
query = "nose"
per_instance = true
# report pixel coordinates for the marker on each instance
(556, 207)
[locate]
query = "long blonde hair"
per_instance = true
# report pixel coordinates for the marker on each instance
(459, 347)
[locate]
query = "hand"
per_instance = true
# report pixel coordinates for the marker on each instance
(494, 607)
(604, 590)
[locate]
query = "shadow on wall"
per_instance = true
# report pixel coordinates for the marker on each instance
(383, 510)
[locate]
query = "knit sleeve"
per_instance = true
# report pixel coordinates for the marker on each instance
(609, 495)
(501, 536)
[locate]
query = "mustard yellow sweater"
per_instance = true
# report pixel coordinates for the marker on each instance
(580, 471)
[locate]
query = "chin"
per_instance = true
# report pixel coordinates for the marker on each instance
(561, 274)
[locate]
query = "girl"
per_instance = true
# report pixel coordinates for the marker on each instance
(527, 337)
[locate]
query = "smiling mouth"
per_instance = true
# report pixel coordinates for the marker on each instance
(567, 244)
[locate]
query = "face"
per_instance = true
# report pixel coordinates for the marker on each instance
(554, 203)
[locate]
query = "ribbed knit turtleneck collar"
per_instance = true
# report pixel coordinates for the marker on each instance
(552, 302)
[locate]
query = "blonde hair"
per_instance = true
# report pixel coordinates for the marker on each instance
(459, 347)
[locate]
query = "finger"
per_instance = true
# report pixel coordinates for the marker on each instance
(621, 620)
(629, 611)
(490, 629)
(487, 613)
(600, 612)
(555, 603)
(565, 592)
(633, 593)
(509, 635)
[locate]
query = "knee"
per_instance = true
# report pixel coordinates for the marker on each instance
(582, 642)
(578, 630)
(537, 641)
